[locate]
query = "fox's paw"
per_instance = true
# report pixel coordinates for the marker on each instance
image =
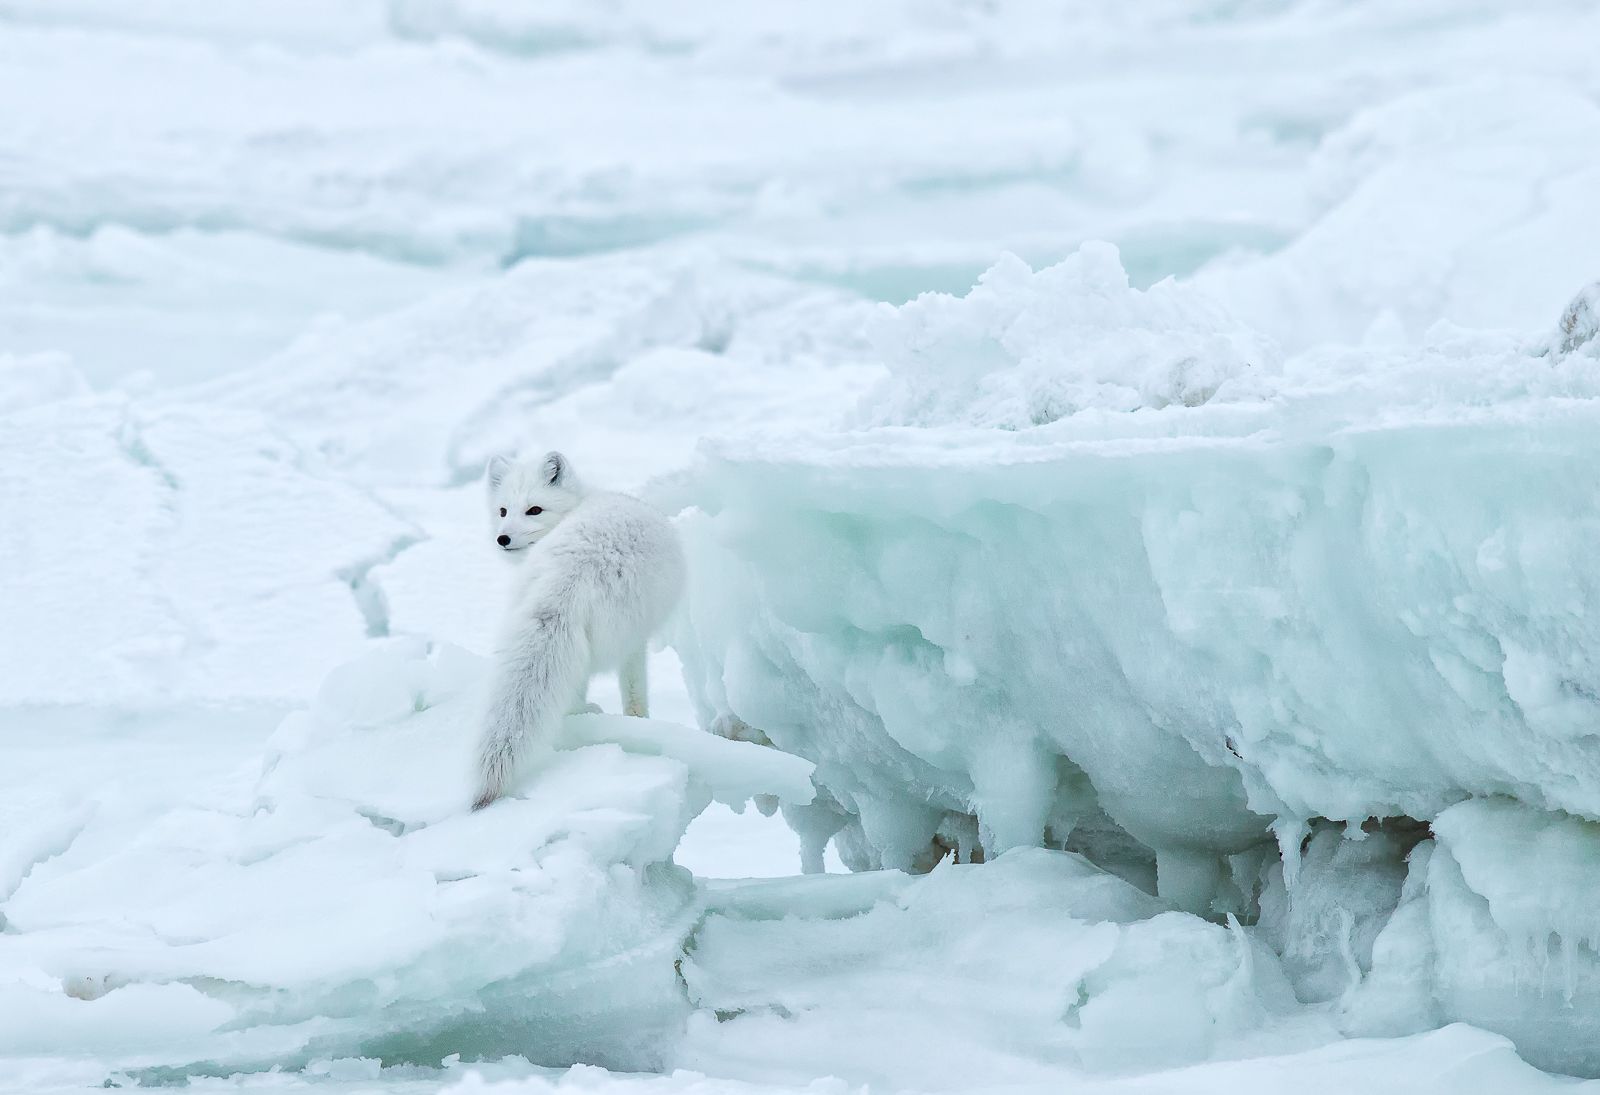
(587, 709)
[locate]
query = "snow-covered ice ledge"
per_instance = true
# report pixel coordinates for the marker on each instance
(1356, 584)
(356, 907)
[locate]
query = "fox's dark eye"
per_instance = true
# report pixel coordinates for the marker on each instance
(534, 511)
(502, 511)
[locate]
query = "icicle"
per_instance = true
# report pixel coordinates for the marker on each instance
(1569, 974)
(1291, 834)
(1347, 950)
(1238, 993)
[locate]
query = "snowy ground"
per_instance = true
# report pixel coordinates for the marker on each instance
(1190, 577)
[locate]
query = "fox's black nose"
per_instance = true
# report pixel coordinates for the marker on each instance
(503, 540)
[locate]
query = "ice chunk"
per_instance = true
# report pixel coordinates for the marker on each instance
(988, 970)
(1338, 603)
(1495, 925)
(1500, 846)
(1193, 642)
(734, 772)
(1500, 926)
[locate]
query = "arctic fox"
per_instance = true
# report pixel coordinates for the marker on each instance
(598, 573)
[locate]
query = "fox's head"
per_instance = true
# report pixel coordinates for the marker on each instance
(527, 500)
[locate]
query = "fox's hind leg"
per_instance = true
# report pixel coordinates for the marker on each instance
(634, 679)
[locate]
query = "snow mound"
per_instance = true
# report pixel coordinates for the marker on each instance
(1024, 349)
(357, 909)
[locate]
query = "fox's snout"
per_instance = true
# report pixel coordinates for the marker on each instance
(503, 540)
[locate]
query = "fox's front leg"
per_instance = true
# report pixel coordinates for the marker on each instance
(634, 679)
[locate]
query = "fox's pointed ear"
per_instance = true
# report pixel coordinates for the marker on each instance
(495, 473)
(556, 469)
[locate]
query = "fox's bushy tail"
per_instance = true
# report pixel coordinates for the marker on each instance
(541, 669)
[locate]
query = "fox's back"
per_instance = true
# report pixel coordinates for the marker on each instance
(617, 561)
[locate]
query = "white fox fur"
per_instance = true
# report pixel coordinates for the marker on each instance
(598, 573)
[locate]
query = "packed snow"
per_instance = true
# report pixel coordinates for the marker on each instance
(1137, 466)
